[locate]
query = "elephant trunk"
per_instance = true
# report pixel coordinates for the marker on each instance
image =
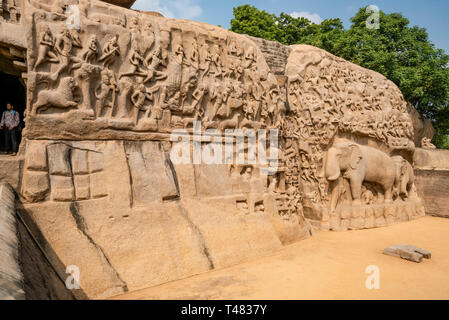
(404, 184)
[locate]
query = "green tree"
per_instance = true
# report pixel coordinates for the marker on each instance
(402, 53)
(406, 56)
(251, 21)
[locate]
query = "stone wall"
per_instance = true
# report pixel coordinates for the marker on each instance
(275, 54)
(11, 277)
(432, 180)
(110, 110)
(433, 188)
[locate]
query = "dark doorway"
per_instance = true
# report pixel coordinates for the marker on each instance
(12, 91)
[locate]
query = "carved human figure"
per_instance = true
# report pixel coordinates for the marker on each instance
(148, 33)
(106, 90)
(46, 46)
(138, 98)
(206, 56)
(272, 188)
(153, 62)
(134, 25)
(89, 55)
(110, 52)
(136, 60)
(250, 58)
(13, 9)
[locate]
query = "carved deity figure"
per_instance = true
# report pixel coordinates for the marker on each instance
(138, 98)
(46, 46)
(90, 53)
(105, 90)
(153, 62)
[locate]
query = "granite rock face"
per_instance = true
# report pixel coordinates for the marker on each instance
(122, 3)
(432, 180)
(156, 149)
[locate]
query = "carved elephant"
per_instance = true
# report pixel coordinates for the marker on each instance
(405, 176)
(360, 164)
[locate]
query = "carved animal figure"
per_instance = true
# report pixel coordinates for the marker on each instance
(405, 177)
(62, 97)
(360, 164)
(230, 124)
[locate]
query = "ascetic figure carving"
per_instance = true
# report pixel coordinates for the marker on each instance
(360, 164)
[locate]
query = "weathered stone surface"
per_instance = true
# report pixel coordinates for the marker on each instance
(35, 186)
(104, 106)
(408, 252)
(431, 159)
(40, 280)
(433, 188)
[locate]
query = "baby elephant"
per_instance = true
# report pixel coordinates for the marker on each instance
(62, 97)
(405, 177)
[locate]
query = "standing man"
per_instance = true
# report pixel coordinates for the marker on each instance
(10, 121)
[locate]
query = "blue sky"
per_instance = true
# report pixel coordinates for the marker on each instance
(431, 14)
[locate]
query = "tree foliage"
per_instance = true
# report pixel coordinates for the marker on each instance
(402, 53)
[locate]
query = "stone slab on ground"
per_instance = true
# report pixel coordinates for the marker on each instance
(408, 252)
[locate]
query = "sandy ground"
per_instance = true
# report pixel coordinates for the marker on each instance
(330, 265)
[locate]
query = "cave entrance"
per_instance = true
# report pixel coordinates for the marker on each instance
(12, 91)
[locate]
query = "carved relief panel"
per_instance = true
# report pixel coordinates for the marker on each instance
(129, 75)
(352, 135)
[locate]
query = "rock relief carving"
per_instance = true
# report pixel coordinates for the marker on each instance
(10, 10)
(426, 143)
(149, 74)
(344, 124)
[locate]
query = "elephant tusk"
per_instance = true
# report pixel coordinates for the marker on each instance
(334, 178)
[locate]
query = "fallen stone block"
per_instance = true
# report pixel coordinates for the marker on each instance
(408, 252)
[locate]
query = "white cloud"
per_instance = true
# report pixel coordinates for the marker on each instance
(180, 9)
(314, 17)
